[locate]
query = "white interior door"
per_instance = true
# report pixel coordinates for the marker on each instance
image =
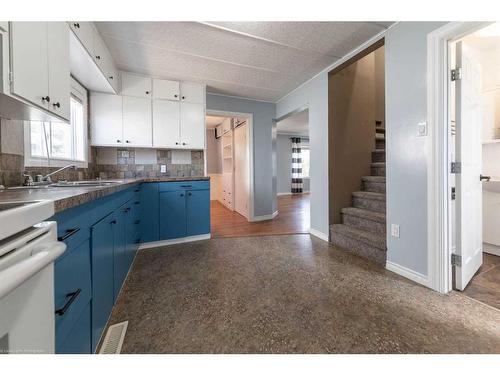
(468, 153)
(241, 178)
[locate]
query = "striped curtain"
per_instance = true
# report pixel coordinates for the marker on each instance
(297, 183)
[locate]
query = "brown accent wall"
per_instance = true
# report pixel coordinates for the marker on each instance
(356, 101)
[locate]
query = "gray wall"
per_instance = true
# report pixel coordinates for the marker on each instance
(406, 106)
(314, 95)
(213, 153)
(264, 146)
(284, 163)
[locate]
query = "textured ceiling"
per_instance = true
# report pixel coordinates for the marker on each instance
(297, 124)
(258, 60)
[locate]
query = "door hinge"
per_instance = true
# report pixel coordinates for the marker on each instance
(453, 193)
(11, 77)
(456, 167)
(456, 74)
(456, 260)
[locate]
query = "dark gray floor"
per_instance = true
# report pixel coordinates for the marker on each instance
(289, 294)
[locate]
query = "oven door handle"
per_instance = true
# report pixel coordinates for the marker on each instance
(42, 256)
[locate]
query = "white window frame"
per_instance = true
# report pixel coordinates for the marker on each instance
(305, 146)
(80, 93)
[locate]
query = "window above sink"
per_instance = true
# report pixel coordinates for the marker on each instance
(64, 142)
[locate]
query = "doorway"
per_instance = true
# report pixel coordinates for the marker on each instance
(470, 146)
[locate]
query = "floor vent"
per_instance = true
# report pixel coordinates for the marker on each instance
(114, 338)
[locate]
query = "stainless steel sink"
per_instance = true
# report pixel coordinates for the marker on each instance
(38, 187)
(85, 183)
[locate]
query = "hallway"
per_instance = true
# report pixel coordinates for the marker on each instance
(293, 218)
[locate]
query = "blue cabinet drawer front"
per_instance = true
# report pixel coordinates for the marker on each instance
(186, 185)
(78, 340)
(72, 288)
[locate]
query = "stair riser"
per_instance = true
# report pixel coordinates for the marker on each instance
(378, 157)
(380, 144)
(359, 248)
(378, 171)
(364, 224)
(369, 204)
(375, 187)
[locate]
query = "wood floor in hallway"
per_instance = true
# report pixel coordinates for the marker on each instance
(293, 218)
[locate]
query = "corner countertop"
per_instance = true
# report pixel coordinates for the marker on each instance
(68, 197)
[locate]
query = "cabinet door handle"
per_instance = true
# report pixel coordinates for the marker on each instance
(184, 143)
(118, 141)
(176, 143)
(76, 25)
(147, 92)
(46, 99)
(113, 221)
(72, 296)
(68, 234)
(58, 105)
(111, 77)
(183, 97)
(176, 96)
(137, 222)
(190, 194)
(186, 186)
(98, 57)
(138, 240)
(182, 195)
(127, 141)
(137, 202)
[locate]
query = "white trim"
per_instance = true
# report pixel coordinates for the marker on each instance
(265, 217)
(320, 235)
(438, 188)
(342, 60)
(408, 273)
(240, 97)
(149, 245)
(491, 249)
(289, 193)
(250, 154)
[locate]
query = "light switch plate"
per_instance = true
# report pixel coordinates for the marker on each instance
(422, 128)
(163, 168)
(395, 230)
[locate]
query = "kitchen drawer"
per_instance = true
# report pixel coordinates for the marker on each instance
(78, 340)
(71, 275)
(184, 185)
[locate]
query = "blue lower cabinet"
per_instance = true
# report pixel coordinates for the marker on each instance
(172, 214)
(72, 293)
(197, 212)
(149, 212)
(120, 248)
(102, 274)
(79, 339)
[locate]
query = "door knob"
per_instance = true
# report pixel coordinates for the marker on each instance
(487, 178)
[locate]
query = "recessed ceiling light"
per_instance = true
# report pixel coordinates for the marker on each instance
(489, 31)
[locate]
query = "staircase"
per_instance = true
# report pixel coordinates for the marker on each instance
(363, 227)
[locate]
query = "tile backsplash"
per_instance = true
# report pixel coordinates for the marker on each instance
(105, 163)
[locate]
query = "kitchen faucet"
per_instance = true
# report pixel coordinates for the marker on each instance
(47, 178)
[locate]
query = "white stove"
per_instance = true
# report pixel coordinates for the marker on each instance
(18, 216)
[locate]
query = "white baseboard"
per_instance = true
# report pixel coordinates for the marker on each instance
(320, 235)
(265, 217)
(288, 193)
(408, 273)
(491, 249)
(148, 245)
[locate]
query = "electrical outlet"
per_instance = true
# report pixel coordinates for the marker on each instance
(163, 168)
(422, 128)
(395, 230)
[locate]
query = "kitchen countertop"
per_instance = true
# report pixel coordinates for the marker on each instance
(67, 197)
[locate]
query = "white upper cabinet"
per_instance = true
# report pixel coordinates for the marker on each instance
(85, 33)
(59, 72)
(192, 125)
(164, 89)
(106, 119)
(166, 124)
(29, 62)
(134, 85)
(137, 125)
(40, 64)
(192, 92)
